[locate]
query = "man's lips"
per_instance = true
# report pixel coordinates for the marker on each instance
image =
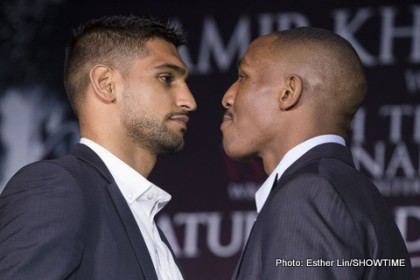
(180, 119)
(227, 118)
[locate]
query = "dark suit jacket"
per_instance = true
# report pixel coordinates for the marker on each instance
(323, 211)
(67, 219)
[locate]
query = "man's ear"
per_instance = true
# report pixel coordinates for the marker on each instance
(291, 92)
(103, 82)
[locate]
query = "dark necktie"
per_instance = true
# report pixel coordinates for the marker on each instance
(276, 180)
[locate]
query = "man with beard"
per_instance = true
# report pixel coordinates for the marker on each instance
(319, 218)
(90, 215)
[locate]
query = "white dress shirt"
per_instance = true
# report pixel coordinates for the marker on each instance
(289, 158)
(145, 201)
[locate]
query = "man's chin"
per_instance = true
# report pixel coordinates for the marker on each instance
(238, 155)
(170, 149)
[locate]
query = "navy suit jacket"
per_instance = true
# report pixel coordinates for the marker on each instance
(67, 219)
(324, 212)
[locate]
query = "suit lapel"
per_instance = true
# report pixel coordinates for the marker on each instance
(134, 235)
(239, 264)
(133, 232)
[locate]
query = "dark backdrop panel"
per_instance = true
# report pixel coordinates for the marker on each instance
(213, 197)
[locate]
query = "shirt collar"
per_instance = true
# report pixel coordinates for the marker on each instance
(289, 158)
(131, 183)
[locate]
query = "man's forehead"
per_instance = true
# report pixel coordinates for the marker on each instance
(254, 55)
(263, 42)
(242, 62)
(163, 55)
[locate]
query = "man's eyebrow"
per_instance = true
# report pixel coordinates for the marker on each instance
(180, 70)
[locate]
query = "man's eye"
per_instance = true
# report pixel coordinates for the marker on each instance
(167, 78)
